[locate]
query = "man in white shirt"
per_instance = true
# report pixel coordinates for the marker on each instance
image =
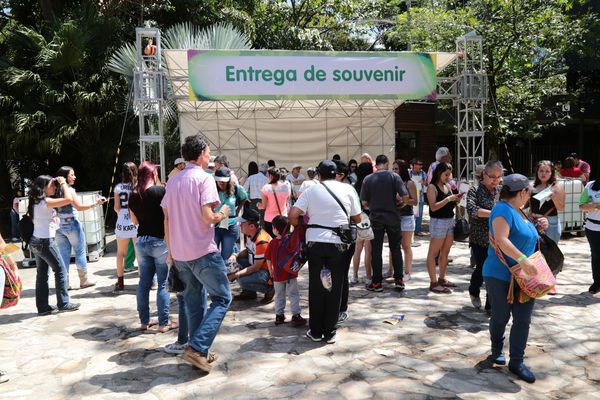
(326, 251)
(295, 179)
(312, 180)
(254, 184)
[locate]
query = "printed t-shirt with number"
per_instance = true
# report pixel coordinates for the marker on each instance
(125, 228)
(283, 194)
(257, 247)
(589, 196)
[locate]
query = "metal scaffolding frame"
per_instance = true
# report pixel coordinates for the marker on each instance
(468, 89)
(150, 89)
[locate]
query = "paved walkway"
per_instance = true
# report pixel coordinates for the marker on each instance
(438, 351)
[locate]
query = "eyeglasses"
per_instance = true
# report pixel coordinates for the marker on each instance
(494, 178)
(420, 164)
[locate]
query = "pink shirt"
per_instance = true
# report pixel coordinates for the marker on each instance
(189, 236)
(283, 194)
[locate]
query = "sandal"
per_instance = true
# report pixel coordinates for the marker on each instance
(152, 322)
(446, 283)
(168, 327)
(436, 287)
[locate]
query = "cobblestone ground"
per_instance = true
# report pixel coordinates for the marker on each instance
(438, 351)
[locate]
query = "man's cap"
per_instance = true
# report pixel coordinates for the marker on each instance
(516, 182)
(263, 167)
(222, 174)
(179, 161)
(249, 215)
(327, 169)
(574, 155)
(296, 166)
(311, 172)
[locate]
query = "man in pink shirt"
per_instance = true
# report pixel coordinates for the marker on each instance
(188, 206)
(583, 166)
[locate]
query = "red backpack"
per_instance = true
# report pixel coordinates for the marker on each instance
(291, 250)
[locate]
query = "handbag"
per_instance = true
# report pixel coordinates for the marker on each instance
(461, 229)
(174, 282)
(554, 257)
(12, 287)
(363, 229)
(531, 286)
(25, 227)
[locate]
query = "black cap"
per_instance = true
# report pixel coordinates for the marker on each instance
(249, 215)
(327, 169)
(574, 155)
(222, 174)
(516, 182)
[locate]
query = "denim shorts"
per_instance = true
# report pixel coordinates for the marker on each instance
(439, 228)
(408, 223)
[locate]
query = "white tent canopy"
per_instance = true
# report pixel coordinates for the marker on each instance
(287, 131)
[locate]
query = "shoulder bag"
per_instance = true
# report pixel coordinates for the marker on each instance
(346, 233)
(276, 201)
(12, 286)
(531, 286)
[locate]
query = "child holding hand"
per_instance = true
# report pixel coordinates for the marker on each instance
(283, 281)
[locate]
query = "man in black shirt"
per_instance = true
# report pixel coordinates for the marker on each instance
(381, 191)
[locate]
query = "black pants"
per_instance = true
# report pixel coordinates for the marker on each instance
(593, 238)
(394, 234)
(345, 287)
(324, 305)
(480, 254)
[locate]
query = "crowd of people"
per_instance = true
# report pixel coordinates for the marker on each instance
(193, 224)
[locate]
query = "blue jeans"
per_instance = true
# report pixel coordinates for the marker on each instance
(226, 239)
(71, 234)
(182, 333)
(554, 229)
(14, 221)
(501, 310)
(256, 282)
(47, 255)
(152, 257)
(205, 274)
(419, 219)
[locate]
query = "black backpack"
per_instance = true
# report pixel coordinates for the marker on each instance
(25, 227)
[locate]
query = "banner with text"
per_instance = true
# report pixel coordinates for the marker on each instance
(300, 75)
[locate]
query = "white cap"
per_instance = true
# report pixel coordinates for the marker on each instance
(296, 166)
(179, 161)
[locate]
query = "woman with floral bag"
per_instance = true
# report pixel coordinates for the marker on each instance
(513, 238)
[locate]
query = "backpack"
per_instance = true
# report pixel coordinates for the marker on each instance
(25, 227)
(290, 253)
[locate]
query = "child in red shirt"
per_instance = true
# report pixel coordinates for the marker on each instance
(283, 281)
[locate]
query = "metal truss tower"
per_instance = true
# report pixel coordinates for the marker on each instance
(149, 96)
(468, 89)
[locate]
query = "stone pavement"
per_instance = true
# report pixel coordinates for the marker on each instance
(438, 351)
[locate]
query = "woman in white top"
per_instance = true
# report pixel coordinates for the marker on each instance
(125, 229)
(43, 244)
(590, 202)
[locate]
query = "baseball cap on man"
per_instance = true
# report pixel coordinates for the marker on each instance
(222, 174)
(249, 215)
(327, 169)
(516, 182)
(179, 161)
(296, 166)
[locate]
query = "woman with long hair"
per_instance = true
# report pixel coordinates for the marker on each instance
(407, 216)
(275, 196)
(546, 179)
(125, 229)
(363, 170)
(441, 202)
(43, 243)
(69, 234)
(252, 170)
(150, 247)
(227, 232)
(590, 202)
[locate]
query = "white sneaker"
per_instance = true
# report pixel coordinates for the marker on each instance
(367, 282)
(353, 281)
(175, 348)
(387, 274)
(4, 377)
(406, 277)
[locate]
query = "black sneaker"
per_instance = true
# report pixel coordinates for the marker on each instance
(375, 287)
(279, 319)
(399, 285)
(70, 307)
(48, 311)
(331, 338)
(311, 337)
(595, 288)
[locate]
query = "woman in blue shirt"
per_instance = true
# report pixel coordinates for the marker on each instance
(227, 232)
(516, 237)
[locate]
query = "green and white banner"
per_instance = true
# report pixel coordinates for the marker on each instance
(299, 75)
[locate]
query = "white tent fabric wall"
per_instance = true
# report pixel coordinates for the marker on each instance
(287, 131)
(292, 140)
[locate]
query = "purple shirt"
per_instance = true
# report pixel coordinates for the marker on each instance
(189, 236)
